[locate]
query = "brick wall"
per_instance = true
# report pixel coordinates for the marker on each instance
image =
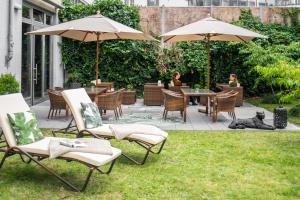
(164, 19)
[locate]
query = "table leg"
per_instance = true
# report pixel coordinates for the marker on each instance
(207, 104)
(184, 111)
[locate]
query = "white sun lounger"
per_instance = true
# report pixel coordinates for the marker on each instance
(39, 150)
(75, 97)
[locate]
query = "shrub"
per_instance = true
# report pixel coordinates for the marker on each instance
(295, 111)
(271, 99)
(8, 84)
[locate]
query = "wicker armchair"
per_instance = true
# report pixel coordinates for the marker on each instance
(120, 100)
(173, 101)
(153, 95)
(108, 101)
(224, 103)
(57, 103)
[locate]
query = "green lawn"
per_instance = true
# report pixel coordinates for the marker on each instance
(193, 165)
(258, 102)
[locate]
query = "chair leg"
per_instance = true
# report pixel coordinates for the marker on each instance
(4, 158)
(166, 114)
(49, 112)
(148, 151)
(116, 114)
(120, 110)
(66, 182)
(138, 162)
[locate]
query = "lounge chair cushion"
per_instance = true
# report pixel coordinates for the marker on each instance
(42, 147)
(25, 127)
(74, 98)
(104, 130)
(91, 115)
(11, 103)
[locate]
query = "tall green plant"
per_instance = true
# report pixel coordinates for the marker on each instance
(284, 75)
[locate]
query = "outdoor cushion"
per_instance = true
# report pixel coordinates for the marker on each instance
(42, 147)
(74, 98)
(91, 115)
(10, 103)
(25, 127)
(106, 131)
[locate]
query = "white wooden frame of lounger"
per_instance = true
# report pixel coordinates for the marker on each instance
(82, 132)
(10, 150)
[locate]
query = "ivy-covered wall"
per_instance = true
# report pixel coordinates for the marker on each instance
(124, 62)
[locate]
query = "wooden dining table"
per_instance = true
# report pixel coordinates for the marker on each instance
(189, 92)
(94, 91)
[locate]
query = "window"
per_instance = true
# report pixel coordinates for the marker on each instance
(25, 12)
(48, 19)
(196, 2)
(130, 2)
(38, 16)
(152, 2)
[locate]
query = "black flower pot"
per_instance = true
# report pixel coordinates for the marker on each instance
(280, 117)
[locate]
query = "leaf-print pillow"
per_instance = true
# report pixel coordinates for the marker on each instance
(91, 116)
(25, 127)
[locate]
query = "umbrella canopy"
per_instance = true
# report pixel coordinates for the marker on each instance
(213, 29)
(210, 29)
(93, 28)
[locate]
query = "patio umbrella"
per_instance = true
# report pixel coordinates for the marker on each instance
(210, 29)
(93, 28)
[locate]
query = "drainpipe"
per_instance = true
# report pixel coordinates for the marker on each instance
(10, 42)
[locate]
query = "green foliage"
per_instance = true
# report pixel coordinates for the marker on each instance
(194, 56)
(283, 75)
(241, 58)
(271, 99)
(8, 84)
(124, 62)
(295, 111)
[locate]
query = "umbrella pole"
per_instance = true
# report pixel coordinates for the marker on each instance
(97, 59)
(208, 61)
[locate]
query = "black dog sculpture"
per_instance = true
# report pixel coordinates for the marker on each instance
(255, 122)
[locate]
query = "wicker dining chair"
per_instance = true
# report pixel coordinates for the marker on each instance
(120, 100)
(108, 101)
(224, 103)
(220, 94)
(57, 103)
(173, 101)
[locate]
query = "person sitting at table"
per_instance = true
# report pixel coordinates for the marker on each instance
(191, 79)
(176, 77)
(233, 82)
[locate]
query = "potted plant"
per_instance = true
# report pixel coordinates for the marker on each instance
(197, 87)
(74, 80)
(8, 84)
(130, 87)
(166, 77)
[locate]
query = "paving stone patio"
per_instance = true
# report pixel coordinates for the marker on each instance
(139, 113)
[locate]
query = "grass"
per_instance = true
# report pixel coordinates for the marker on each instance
(258, 102)
(193, 165)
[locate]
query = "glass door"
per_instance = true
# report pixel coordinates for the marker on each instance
(37, 67)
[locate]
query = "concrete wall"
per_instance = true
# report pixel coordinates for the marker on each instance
(14, 66)
(163, 19)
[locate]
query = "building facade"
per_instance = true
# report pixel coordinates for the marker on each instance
(34, 60)
(184, 3)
